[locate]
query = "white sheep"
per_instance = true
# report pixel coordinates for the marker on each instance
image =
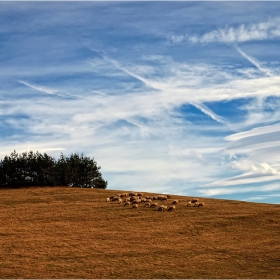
(119, 200)
(200, 204)
(133, 194)
(147, 204)
(194, 200)
(175, 202)
(126, 203)
(135, 205)
(189, 203)
(107, 199)
(153, 205)
(171, 208)
(163, 198)
(162, 208)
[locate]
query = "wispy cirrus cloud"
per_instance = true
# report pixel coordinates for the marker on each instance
(40, 88)
(267, 30)
(255, 62)
(47, 90)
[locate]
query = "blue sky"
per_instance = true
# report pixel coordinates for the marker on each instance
(168, 97)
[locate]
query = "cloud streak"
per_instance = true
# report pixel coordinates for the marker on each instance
(255, 62)
(267, 30)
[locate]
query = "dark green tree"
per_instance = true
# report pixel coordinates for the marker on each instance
(35, 169)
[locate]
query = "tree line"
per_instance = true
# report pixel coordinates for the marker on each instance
(36, 169)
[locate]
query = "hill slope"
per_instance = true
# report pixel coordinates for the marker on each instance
(74, 233)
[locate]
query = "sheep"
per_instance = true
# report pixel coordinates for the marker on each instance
(124, 195)
(196, 204)
(148, 197)
(162, 208)
(135, 205)
(200, 204)
(133, 194)
(134, 202)
(148, 200)
(127, 199)
(119, 200)
(164, 198)
(168, 196)
(154, 198)
(140, 194)
(113, 198)
(175, 202)
(127, 203)
(107, 199)
(171, 208)
(147, 204)
(153, 205)
(143, 199)
(189, 203)
(194, 200)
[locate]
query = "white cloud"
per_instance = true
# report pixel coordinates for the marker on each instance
(255, 62)
(254, 132)
(254, 167)
(245, 32)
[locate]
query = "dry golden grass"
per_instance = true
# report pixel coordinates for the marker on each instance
(74, 233)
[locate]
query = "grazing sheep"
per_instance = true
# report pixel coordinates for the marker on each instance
(148, 200)
(200, 204)
(135, 205)
(107, 199)
(119, 200)
(147, 204)
(113, 198)
(175, 202)
(196, 204)
(143, 199)
(194, 200)
(127, 203)
(133, 194)
(168, 196)
(140, 194)
(134, 202)
(154, 198)
(162, 208)
(124, 195)
(148, 197)
(127, 199)
(189, 203)
(153, 205)
(164, 198)
(171, 208)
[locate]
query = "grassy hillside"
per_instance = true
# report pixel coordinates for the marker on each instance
(75, 233)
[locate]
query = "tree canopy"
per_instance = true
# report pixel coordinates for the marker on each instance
(36, 169)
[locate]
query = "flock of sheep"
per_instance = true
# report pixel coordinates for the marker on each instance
(135, 199)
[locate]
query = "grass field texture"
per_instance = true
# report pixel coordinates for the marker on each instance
(61, 232)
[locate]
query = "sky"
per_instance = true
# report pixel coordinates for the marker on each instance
(168, 97)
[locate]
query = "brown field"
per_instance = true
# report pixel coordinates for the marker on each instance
(74, 233)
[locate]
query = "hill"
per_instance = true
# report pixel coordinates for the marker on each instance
(61, 232)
